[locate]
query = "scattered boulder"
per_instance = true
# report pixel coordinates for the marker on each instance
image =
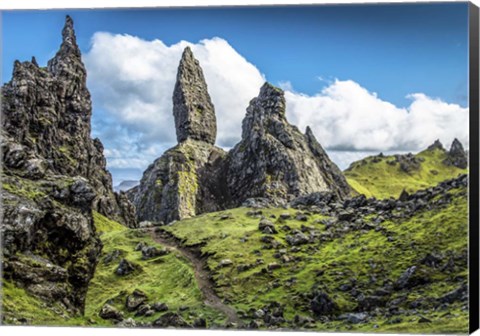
(322, 305)
(171, 320)
(135, 300)
(110, 313)
(459, 294)
(411, 278)
(267, 227)
(149, 252)
(298, 238)
(354, 318)
(126, 267)
(160, 306)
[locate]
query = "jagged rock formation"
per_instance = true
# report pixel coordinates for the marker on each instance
(192, 107)
(275, 160)
(53, 176)
(436, 145)
(48, 110)
(186, 180)
(457, 156)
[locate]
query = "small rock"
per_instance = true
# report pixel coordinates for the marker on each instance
(160, 306)
(225, 263)
(110, 313)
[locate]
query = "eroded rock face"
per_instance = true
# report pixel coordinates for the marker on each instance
(274, 159)
(274, 162)
(457, 156)
(53, 176)
(192, 107)
(48, 111)
(183, 182)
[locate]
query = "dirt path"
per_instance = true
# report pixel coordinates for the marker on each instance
(202, 276)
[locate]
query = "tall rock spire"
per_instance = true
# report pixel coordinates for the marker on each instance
(192, 107)
(67, 62)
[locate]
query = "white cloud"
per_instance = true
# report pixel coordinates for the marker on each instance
(132, 83)
(132, 80)
(346, 116)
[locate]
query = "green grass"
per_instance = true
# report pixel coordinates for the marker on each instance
(169, 279)
(343, 258)
(382, 180)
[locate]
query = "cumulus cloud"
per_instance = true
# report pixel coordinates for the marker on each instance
(132, 83)
(346, 116)
(132, 80)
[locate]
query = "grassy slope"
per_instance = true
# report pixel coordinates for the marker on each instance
(381, 180)
(169, 279)
(340, 259)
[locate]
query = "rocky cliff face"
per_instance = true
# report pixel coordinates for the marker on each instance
(186, 180)
(48, 110)
(53, 176)
(274, 160)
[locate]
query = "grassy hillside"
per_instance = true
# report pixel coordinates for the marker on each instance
(369, 259)
(378, 176)
(167, 279)
(252, 271)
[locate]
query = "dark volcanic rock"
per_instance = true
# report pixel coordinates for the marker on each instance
(188, 179)
(125, 267)
(46, 118)
(171, 320)
(323, 305)
(184, 182)
(135, 300)
(110, 313)
(53, 177)
(457, 156)
(436, 145)
(192, 107)
(274, 159)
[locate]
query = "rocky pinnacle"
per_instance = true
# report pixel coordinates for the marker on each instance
(192, 107)
(457, 156)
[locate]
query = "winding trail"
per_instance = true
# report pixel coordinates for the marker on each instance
(202, 276)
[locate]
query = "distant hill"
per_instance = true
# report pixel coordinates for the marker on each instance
(126, 185)
(383, 176)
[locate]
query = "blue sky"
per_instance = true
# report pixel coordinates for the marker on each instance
(391, 50)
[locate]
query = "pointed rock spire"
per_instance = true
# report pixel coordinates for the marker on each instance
(193, 110)
(457, 156)
(69, 41)
(436, 145)
(69, 55)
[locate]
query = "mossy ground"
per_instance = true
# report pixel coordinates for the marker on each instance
(330, 264)
(169, 279)
(374, 177)
(369, 257)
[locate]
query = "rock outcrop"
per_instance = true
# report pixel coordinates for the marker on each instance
(184, 182)
(53, 176)
(274, 160)
(192, 107)
(187, 179)
(48, 110)
(457, 156)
